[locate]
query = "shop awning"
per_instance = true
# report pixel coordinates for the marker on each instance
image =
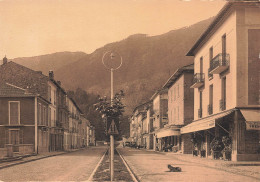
(252, 117)
(204, 124)
(168, 132)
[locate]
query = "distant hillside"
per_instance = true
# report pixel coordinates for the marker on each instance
(148, 61)
(48, 62)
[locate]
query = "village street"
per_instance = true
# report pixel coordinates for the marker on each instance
(75, 166)
(146, 165)
(152, 166)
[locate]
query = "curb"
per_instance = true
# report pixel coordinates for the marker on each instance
(23, 162)
(135, 178)
(96, 168)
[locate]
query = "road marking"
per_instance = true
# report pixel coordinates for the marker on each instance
(128, 168)
(95, 170)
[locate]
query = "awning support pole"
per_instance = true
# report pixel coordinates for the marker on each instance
(210, 133)
(198, 133)
(223, 128)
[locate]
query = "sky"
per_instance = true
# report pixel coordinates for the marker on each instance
(38, 27)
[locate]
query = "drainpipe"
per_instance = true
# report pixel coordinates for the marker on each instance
(36, 126)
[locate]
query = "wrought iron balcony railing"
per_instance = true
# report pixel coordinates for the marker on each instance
(219, 63)
(198, 80)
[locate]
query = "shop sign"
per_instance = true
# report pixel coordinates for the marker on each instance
(250, 125)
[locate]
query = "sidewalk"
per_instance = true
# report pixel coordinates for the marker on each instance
(247, 168)
(33, 157)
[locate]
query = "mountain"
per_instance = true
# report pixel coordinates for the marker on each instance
(48, 62)
(148, 61)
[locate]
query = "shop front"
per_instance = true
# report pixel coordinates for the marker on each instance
(169, 139)
(230, 135)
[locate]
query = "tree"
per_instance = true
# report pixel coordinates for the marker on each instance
(107, 109)
(111, 110)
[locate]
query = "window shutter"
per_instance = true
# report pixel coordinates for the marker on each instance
(14, 112)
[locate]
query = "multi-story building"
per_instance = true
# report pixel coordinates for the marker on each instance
(138, 129)
(24, 120)
(160, 117)
(180, 108)
(53, 129)
(36, 83)
(227, 82)
(74, 123)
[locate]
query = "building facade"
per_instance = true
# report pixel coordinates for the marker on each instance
(160, 118)
(226, 83)
(24, 120)
(44, 117)
(180, 108)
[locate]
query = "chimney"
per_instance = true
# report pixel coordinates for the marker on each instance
(27, 90)
(51, 75)
(59, 83)
(4, 60)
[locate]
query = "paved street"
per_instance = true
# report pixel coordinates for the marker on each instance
(152, 166)
(75, 166)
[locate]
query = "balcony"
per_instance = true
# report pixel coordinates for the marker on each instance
(210, 75)
(199, 113)
(198, 80)
(219, 63)
(222, 105)
(210, 109)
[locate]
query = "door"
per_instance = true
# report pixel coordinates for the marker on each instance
(14, 139)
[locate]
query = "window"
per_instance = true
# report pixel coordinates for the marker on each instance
(55, 97)
(200, 108)
(174, 93)
(211, 94)
(14, 112)
(178, 113)
(223, 94)
(49, 116)
(171, 116)
(49, 93)
(44, 115)
(201, 100)
(171, 96)
(40, 114)
(178, 91)
(210, 106)
(224, 44)
(201, 65)
(174, 114)
(210, 61)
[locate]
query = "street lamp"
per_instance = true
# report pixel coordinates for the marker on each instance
(113, 63)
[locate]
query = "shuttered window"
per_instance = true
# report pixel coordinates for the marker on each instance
(14, 112)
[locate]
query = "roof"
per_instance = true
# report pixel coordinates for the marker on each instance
(177, 74)
(142, 105)
(9, 90)
(75, 104)
(160, 91)
(27, 77)
(213, 24)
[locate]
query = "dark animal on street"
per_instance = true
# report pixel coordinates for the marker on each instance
(174, 169)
